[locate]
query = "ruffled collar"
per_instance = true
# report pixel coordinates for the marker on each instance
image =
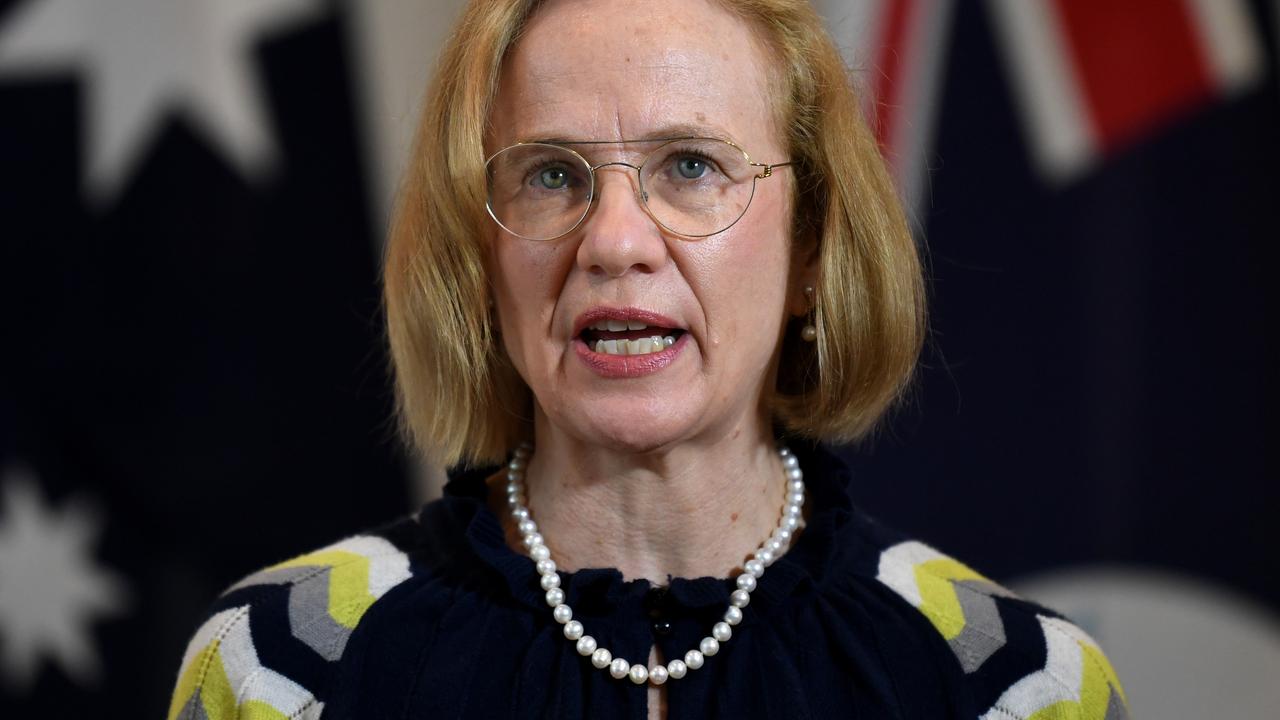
(806, 565)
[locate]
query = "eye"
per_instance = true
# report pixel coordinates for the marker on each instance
(691, 167)
(553, 178)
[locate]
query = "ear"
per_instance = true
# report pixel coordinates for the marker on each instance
(805, 262)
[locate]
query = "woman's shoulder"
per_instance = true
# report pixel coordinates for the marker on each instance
(269, 644)
(1011, 658)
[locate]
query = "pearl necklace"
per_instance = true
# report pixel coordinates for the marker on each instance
(601, 658)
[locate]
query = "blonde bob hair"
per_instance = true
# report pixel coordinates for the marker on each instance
(460, 400)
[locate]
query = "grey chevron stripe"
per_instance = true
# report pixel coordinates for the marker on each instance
(1116, 709)
(281, 576)
(309, 617)
(194, 709)
(983, 632)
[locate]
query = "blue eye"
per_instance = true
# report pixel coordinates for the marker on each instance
(553, 178)
(690, 167)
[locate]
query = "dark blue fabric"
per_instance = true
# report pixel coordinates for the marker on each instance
(470, 636)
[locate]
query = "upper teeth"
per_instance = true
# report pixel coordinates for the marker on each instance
(634, 347)
(619, 325)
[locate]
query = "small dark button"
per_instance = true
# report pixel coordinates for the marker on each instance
(662, 627)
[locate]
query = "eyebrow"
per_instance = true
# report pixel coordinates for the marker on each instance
(676, 131)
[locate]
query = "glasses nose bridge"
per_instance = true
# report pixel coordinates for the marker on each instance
(639, 187)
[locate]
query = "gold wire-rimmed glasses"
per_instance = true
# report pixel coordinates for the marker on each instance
(694, 187)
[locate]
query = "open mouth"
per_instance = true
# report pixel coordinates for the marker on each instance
(628, 337)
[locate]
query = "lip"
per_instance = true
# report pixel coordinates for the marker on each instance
(628, 366)
(596, 314)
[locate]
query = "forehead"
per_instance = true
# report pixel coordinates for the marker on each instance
(594, 70)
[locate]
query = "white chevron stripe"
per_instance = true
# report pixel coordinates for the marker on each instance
(250, 679)
(1059, 681)
(388, 567)
(898, 568)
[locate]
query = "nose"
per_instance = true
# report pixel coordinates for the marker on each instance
(619, 236)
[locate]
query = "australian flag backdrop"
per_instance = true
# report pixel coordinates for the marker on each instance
(193, 378)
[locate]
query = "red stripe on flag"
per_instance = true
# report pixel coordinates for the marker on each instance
(1139, 63)
(891, 50)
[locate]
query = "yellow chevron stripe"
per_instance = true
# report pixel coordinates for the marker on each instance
(206, 674)
(1065, 710)
(1095, 691)
(940, 604)
(187, 683)
(259, 710)
(349, 595)
(1094, 657)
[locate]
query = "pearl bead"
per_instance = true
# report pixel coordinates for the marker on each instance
(693, 659)
(563, 613)
(721, 632)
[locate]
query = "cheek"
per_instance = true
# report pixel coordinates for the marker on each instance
(751, 267)
(528, 278)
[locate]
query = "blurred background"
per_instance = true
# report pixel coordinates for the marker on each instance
(193, 383)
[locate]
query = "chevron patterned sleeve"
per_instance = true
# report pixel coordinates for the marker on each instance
(1021, 661)
(305, 609)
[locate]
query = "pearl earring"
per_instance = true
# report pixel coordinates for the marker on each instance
(809, 333)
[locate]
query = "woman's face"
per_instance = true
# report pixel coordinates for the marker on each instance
(623, 71)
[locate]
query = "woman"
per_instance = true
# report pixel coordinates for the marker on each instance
(642, 248)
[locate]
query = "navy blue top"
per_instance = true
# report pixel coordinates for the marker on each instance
(435, 616)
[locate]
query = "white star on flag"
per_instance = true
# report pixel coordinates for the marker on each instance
(51, 587)
(145, 59)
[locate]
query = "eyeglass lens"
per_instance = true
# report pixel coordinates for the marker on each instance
(693, 187)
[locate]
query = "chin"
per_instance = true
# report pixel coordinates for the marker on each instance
(633, 432)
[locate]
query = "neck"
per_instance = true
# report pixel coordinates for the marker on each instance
(691, 510)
